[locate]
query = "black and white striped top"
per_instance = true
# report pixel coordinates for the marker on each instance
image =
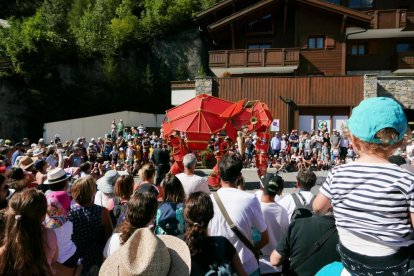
(373, 200)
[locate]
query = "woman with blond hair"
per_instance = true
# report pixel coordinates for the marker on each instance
(92, 224)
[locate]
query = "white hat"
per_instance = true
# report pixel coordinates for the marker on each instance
(56, 175)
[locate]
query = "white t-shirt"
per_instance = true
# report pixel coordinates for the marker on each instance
(277, 222)
(113, 244)
(64, 240)
(288, 202)
(244, 209)
(193, 183)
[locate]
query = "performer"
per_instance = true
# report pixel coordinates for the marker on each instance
(262, 148)
(221, 147)
(179, 150)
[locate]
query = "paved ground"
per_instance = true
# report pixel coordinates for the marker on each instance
(252, 179)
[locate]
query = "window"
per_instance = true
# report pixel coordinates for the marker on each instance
(359, 50)
(316, 42)
(259, 46)
(405, 47)
(357, 4)
(261, 25)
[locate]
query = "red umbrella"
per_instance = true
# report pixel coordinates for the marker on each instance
(199, 118)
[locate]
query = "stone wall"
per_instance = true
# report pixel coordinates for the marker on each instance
(13, 109)
(204, 85)
(399, 88)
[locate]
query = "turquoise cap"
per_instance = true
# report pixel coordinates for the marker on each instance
(374, 114)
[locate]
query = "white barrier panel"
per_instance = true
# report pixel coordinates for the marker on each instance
(98, 126)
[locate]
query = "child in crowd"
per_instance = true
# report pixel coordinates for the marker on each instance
(58, 207)
(372, 199)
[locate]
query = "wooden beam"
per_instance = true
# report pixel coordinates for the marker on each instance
(285, 17)
(233, 37)
(343, 23)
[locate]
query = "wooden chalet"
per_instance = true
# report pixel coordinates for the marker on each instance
(306, 58)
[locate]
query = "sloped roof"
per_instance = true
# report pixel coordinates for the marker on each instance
(214, 8)
(318, 4)
(242, 13)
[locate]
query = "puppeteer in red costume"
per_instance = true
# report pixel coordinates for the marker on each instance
(221, 147)
(262, 148)
(179, 150)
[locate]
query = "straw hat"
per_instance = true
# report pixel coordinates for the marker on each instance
(26, 162)
(56, 175)
(147, 254)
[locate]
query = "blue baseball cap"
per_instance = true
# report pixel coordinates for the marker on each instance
(374, 114)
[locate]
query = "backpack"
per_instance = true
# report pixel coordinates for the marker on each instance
(301, 210)
(170, 219)
(221, 267)
(118, 212)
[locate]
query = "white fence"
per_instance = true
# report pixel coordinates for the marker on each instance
(98, 126)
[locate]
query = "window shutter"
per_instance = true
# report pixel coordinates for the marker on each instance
(329, 43)
(372, 47)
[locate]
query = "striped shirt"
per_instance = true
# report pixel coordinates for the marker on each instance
(373, 200)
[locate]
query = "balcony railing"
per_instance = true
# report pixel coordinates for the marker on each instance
(390, 19)
(404, 60)
(254, 58)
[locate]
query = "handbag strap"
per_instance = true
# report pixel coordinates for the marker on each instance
(231, 224)
(317, 245)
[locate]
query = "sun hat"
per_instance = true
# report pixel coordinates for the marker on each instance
(26, 162)
(147, 254)
(58, 206)
(107, 182)
(37, 152)
(56, 175)
(374, 114)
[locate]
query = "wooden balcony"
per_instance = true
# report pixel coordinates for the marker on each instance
(403, 62)
(254, 61)
(390, 19)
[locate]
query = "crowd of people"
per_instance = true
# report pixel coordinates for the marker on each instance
(75, 207)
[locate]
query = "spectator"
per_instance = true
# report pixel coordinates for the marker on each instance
(298, 245)
(169, 219)
(161, 158)
(147, 176)
(91, 225)
(5, 192)
(372, 199)
(158, 255)
(27, 248)
(207, 252)
(190, 181)
(275, 145)
(276, 219)
(140, 213)
(56, 219)
(17, 152)
(124, 187)
(105, 195)
(305, 181)
(244, 210)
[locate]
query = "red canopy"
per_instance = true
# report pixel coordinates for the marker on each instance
(199, 118)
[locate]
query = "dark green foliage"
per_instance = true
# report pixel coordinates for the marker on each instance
(85, 57)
